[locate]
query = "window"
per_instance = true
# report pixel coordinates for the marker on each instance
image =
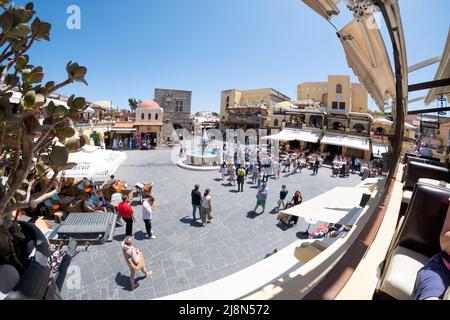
(179, 106)
(275, 123)
(342, 105)
(334, 105)
(142, 116)
(228, 102)
(156, 116)
(149, 116)
(339, 88)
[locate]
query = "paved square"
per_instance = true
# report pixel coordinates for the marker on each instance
(185, 255)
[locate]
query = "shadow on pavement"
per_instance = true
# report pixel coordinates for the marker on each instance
(252, 215)
(191, 222)
(302, 235)
(123, 281)
(140, 235)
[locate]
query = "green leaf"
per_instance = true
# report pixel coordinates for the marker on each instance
(49, 85)
(79, 102)
(36, 77)
(60, 111)
(29, 6)
(19, 32)
(66, 132)
(51, 110)
(59, 156)
(73, 145)
(6, 21)
(22, 62)
(40, 101)
(75, 72)
(44, 31)
(28, 99)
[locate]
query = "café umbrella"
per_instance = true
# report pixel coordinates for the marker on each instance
(340, 205)
(94, 163)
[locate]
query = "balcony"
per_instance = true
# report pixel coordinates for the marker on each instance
(93, 125)
(242, 119)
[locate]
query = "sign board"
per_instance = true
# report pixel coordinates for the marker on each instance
(430, 125)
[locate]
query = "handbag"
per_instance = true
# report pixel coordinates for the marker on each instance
(137, 260)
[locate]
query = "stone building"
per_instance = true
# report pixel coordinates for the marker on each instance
(339, 93)
(176, 105)
(248, 109)
(177, 110)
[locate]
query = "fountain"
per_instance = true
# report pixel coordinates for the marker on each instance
(200, 156)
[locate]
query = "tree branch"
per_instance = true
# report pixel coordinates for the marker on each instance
(59, 86)
(27, 154)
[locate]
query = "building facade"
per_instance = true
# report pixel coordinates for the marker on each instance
(144, 130)
(176, 105)
(248, 109)
(339, 93)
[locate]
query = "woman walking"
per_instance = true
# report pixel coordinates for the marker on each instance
(296, 200)
(135, 260)
(233, 175)
(206, 207)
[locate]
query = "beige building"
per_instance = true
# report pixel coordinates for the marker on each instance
(248, 109)
(146, 129)
(339, 93)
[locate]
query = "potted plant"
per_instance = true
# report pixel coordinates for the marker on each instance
(32, 135)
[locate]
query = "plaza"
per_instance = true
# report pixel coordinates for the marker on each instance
(184, 254)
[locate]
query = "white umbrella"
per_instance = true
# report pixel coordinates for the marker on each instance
(382, 121)
(339, 205)
(410, 126)
(94, 163)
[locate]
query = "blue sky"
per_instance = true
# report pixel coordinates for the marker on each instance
(131, 47)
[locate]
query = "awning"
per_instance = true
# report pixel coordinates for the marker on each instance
(326, 8)
(296, 135)
(378, 149)
(339, 205)
(95, 163)
(349, 141)
(89, 110)
(383, 121)
(367, 55)
(409, 126)
(124, 130)
(443, 72)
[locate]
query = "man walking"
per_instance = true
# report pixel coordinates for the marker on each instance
(196, 197)
(316, 167)
(147, 214)
(241, 179)
(261, 198)
(126, 212)
(283, 195)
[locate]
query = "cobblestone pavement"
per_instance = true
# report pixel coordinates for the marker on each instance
(185, 255)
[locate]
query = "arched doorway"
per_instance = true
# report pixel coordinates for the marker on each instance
(359, 128)
(338, 126)
(379, 131)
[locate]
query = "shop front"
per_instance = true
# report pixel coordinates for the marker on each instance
(346, 145)
(122, 138)
(149, 137)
